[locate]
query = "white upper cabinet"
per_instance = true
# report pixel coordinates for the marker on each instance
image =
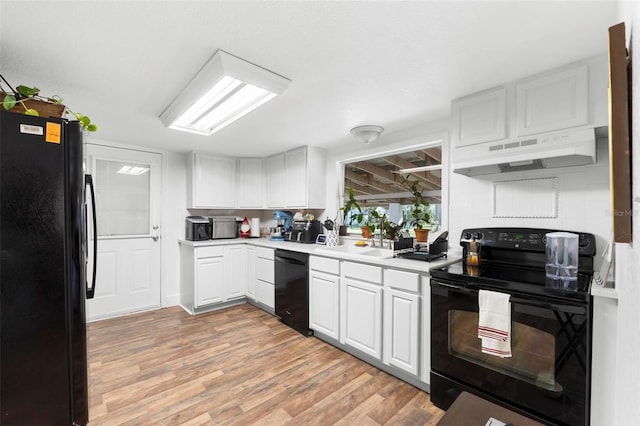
(480, 118)
(559, 100)
(296, 179)
(573, 96)
(211, 181)
(296, 176)
(250, 177)
(276, 181)
(293, 179)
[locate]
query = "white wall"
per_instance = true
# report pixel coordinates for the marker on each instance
(627, 367)
(174, 201)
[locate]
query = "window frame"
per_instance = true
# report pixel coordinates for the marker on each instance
(433, 140)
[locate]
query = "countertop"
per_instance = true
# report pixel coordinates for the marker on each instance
(453, 255)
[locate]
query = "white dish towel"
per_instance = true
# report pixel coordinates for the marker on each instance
(494, 323)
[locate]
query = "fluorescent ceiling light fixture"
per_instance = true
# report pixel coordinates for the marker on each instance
(419, 169)
(133, 170)
(224, 90)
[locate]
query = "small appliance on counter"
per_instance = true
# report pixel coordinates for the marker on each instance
(304, 231)
(223, 227)
(283, 220)
(425, 252)
(197, 228)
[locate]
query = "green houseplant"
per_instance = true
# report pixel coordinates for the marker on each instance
(376, 220)
(354, 219)
(419, 214)
(27, 100)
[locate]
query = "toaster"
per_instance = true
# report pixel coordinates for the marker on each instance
(197, 228)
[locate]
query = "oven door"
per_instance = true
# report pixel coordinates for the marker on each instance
(548, 374)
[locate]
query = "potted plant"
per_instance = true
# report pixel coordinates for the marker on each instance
(27, 100)
(354, 219)
(373, 222)
(419, 215)
(391, 230)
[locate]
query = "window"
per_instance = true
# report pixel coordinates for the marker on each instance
(382, 183)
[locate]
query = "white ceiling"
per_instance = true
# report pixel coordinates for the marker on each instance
(393, 63)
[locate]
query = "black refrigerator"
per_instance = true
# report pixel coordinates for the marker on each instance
(43, 271)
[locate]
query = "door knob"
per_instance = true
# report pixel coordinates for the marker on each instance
(155, 238)
(155, 227)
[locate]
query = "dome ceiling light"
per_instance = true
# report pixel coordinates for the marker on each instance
(367, 134)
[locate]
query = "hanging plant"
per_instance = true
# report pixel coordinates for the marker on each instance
(27, 100)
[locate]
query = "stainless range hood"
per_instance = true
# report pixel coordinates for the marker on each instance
(572, 148)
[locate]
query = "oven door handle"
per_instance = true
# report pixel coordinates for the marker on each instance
(454, 287)
(571, 309)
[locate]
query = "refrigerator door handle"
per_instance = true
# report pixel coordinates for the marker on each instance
(88, 181)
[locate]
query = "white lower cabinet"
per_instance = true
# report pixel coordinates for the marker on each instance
(211, 275)
(265, 277)
(361, 305)
(208, 281)
(401, 330)
(324, 296)
(235, 272)
(250, 269)
(401, 322)
(425, 332)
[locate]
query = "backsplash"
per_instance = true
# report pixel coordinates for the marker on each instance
(571, 198)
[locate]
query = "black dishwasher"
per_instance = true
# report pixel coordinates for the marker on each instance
(292, 289)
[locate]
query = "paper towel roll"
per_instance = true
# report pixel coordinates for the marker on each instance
(255, 227)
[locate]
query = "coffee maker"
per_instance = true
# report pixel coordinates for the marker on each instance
(283, 223)
(304, 231)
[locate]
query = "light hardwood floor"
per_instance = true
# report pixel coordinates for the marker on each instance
(236, 366)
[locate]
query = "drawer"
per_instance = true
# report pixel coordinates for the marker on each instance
(324, 264)
(402, 280)
(265, 293)
(214, 251)
(265, 270)
(264, 252)
(362, 272)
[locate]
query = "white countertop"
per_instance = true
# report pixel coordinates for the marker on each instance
(453, 255)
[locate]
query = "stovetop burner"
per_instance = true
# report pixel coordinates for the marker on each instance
(513, 260)
(511, 279)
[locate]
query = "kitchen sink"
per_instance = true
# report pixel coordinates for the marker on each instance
(352, 249)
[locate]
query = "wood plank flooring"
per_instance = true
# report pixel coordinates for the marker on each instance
(236, 366)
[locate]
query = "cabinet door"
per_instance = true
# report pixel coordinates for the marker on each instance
(554, 102)
(208, 280)
(361, 327)
(234, 283)
(481, 117)
(425, 333)
(276, 182)
(250, 269)
(213, 182)
(296, 177)
(324, 303)
(250, 189)
(401, 330)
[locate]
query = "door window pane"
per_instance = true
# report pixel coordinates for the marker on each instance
(122, 198)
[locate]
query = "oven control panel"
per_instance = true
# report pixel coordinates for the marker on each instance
(529, 239)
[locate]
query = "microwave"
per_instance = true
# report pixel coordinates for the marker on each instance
(223, 227)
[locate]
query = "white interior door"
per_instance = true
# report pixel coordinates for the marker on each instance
(127, 191)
